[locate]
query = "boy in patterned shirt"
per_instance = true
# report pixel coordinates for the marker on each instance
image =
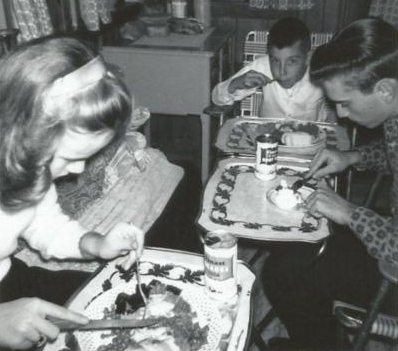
(358, 71)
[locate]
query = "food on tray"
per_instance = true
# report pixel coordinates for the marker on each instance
(289, 133)
(297, 139)
(178, 329)
(285, 197)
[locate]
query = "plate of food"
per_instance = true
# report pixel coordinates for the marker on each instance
(299, 137)
(288, 199)
(188, 318)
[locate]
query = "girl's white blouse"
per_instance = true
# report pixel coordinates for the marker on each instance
(44, 227)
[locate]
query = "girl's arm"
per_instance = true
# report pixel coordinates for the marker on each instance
(54, 234)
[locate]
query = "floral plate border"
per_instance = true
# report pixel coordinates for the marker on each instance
(225, 187)
(186, 268)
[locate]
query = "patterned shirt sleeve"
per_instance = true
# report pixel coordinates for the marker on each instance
(373, 157)
(380, 234)
(377, 233)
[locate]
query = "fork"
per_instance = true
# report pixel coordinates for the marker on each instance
(144, 298)
(138, 263)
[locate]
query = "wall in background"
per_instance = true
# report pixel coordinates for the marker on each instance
(3, 23)
(325, 16)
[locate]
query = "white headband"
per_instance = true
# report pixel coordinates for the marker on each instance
(91, 72)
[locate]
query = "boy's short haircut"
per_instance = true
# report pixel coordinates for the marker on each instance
(287, 31)
(364, 52)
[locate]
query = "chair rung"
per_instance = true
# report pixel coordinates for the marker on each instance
(255, 48)
(352, 317)
(385, 326)
(248, 58)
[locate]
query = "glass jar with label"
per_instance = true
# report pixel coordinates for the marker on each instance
(220, 261)
(266, 157)
(201, 9)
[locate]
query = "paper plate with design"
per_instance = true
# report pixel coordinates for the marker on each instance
(190, 320)
(236, 200)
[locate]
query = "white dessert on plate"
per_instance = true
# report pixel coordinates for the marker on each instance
(286, 198)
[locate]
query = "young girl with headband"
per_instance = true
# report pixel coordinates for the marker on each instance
(59, 105)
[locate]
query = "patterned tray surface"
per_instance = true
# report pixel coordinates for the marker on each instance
(236, 200)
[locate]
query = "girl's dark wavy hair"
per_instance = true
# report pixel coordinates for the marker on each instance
(29, 132)
(364, 52)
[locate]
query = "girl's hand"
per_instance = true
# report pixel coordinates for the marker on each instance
(122, 239)
(23, 322)
(325, 202)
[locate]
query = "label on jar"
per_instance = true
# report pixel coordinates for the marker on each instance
(266, 157)
(220, 262)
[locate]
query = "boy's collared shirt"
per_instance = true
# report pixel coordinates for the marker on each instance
(303, 101)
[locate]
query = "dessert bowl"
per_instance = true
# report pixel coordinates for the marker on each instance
(288, 200)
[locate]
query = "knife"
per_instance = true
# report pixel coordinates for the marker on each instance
(101, 324)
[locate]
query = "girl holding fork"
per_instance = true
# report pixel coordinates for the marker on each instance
(59, 105)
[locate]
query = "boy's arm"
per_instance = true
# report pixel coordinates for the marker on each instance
(221, 94)
(379, 234)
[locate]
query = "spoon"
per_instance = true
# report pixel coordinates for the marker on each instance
(298, 184)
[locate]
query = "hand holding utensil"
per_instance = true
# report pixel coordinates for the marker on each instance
(249, 80)
(325, 202)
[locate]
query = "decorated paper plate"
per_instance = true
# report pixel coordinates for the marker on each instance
(287, 200)
(190, 320)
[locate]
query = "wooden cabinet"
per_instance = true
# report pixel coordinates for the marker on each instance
(177, 80)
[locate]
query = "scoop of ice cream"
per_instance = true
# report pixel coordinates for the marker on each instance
(285, 197)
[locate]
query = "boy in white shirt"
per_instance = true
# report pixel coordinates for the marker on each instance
(282, 75)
